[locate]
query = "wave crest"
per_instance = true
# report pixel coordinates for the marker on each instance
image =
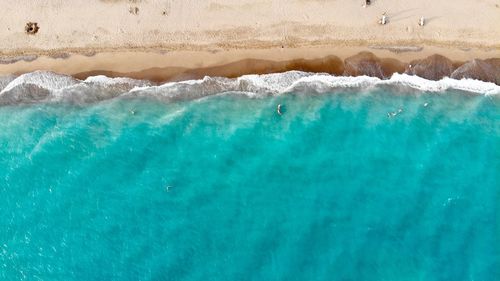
(41, 86)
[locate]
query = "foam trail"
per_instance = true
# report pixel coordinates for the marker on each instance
(43, 86)
(467, 85)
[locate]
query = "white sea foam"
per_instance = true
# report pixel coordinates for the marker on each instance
(468, 85)
(42, 86)
(325, 83)
(42, 79)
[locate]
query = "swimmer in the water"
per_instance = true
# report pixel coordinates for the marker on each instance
(279, 109)
(393, 114)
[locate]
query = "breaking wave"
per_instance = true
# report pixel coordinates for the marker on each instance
(41, 86)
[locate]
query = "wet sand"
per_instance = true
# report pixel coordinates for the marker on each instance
(182, 65)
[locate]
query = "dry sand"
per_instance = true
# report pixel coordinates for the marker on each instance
(83, 37)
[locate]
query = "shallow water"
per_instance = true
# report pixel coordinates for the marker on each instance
(223, 188)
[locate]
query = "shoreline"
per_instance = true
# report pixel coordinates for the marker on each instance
(51, 88)
(159, 65)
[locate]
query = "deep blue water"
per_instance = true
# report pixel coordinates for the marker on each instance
(223, 188)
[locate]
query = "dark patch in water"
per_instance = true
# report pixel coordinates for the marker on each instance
(364, 63)
(486, 70)
(391, 66)
(434, 67)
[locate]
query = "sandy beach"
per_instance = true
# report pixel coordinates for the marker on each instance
(173, 40)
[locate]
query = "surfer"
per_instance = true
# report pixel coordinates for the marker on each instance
(279, 110)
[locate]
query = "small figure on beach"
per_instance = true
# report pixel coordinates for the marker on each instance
(421, 22)
(367, 3)
(134, 10)
(31, 28)
(383, 19)
(279, 110)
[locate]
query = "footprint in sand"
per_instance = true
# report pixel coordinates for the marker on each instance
(134, 10)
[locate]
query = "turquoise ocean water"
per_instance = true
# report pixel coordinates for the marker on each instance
(223, 188)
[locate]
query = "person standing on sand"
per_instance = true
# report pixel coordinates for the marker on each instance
(421, 22)
(383, 19)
